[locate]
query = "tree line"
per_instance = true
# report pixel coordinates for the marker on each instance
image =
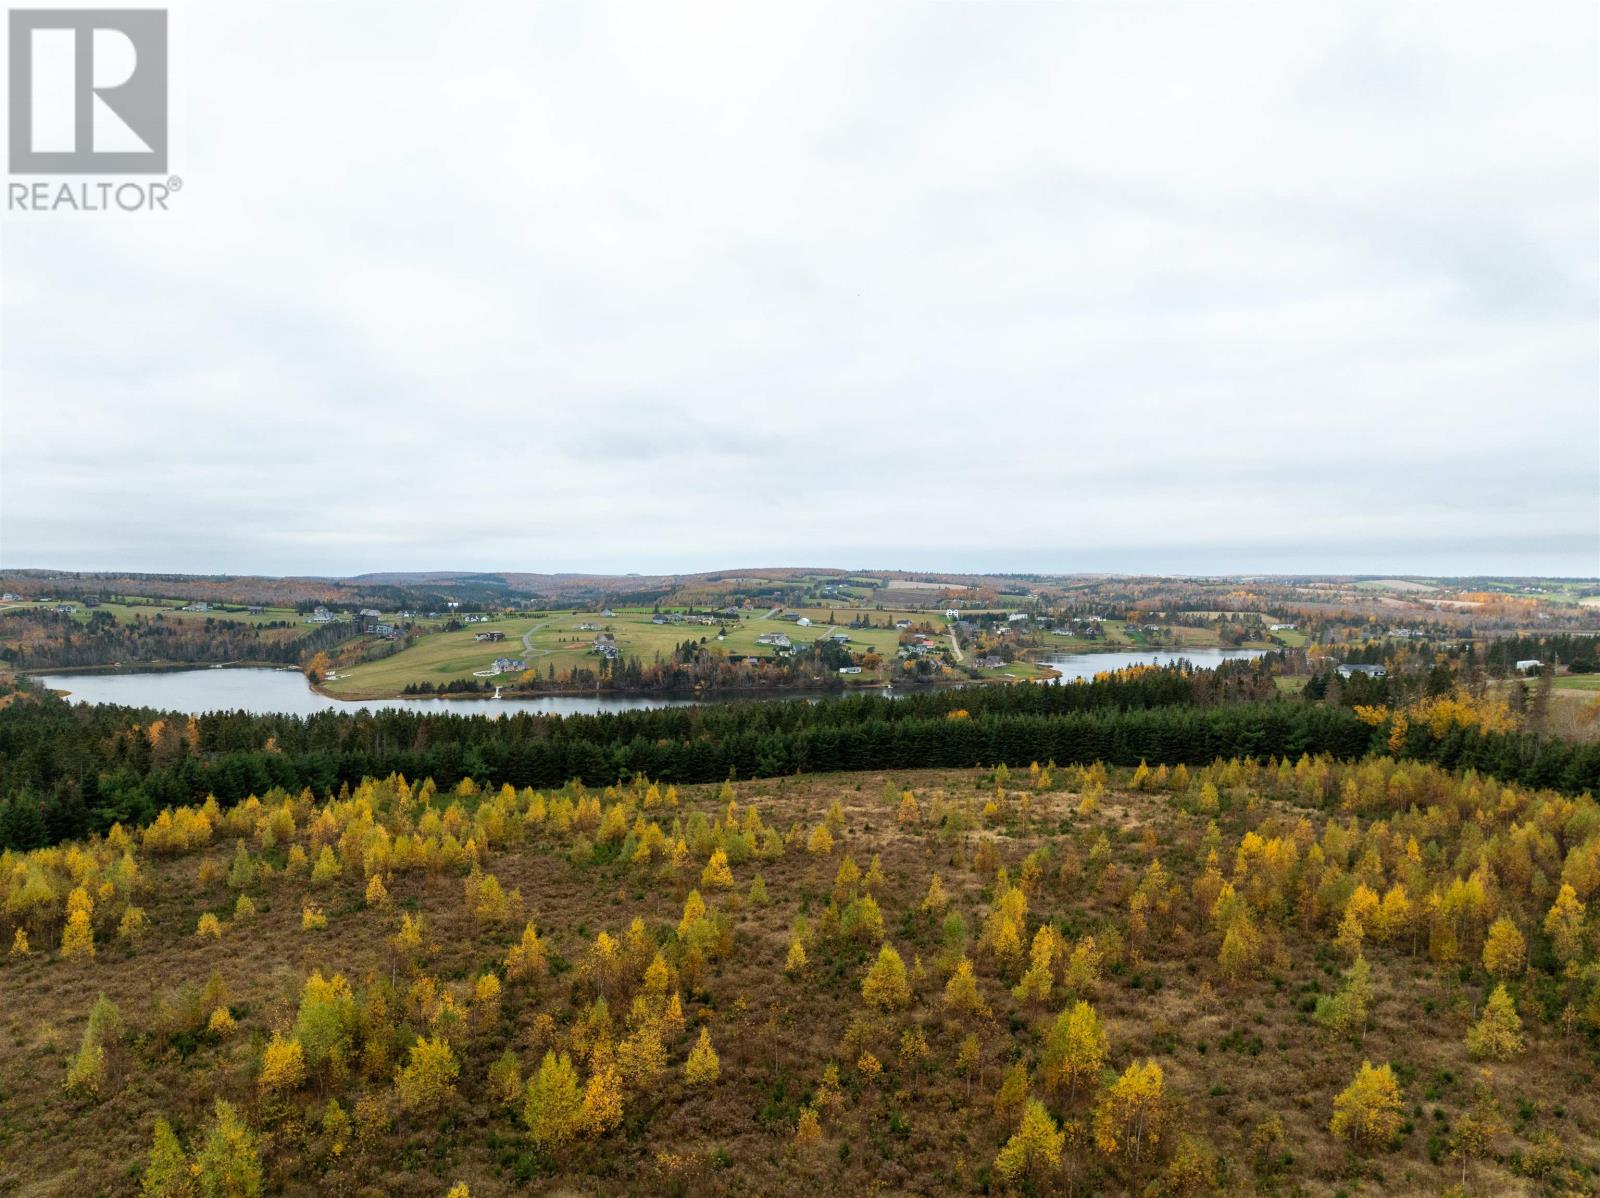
(67, 771)
(36, 639)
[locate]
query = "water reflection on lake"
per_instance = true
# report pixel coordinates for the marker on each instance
(267, 690)
(1087, 665)
(261, 690)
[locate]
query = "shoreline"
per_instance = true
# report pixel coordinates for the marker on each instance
(1047, 675)
(724, 694)
(730, 695)
(154, 667)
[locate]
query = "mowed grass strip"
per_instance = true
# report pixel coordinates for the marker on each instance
(437, 657)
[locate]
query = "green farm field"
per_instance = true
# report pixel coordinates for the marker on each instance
(439, 657)
(127, 612)
(1118, 635)
(1022, 671)
(563, 640)
(1577, 682)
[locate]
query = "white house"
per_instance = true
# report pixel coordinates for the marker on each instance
(804, 622)
(849, 669)
(1280, 627)
(1532, 663)
(1015, 616)
(951, 613)
(507, 665)
(1350, 671)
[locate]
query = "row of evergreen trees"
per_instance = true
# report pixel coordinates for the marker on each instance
(66, 771)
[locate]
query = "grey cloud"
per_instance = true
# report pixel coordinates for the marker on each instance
(670, 286)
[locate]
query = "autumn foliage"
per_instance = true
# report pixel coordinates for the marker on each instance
(1065, 981)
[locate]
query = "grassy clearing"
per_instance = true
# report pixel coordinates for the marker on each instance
(127, 612)
(564, 640)
(1119, 634)
(436, 657)
(1577, 682)
(1019, 670)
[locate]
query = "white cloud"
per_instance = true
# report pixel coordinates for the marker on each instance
(680, 286)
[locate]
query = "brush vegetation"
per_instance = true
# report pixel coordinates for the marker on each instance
(1297, 975)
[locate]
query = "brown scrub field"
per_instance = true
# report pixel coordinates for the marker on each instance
(1057, 981)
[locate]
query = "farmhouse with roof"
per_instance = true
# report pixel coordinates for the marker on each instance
(1350, 670)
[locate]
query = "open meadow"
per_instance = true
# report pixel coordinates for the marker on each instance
(436, 657)
(561, 641)
(124, 612)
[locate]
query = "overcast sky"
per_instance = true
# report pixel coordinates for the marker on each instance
(1200, 288)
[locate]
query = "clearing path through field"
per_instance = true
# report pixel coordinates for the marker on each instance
(527, 642)
(954, 643)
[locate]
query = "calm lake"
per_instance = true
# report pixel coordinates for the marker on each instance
(1087, 665)
(267, 690)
